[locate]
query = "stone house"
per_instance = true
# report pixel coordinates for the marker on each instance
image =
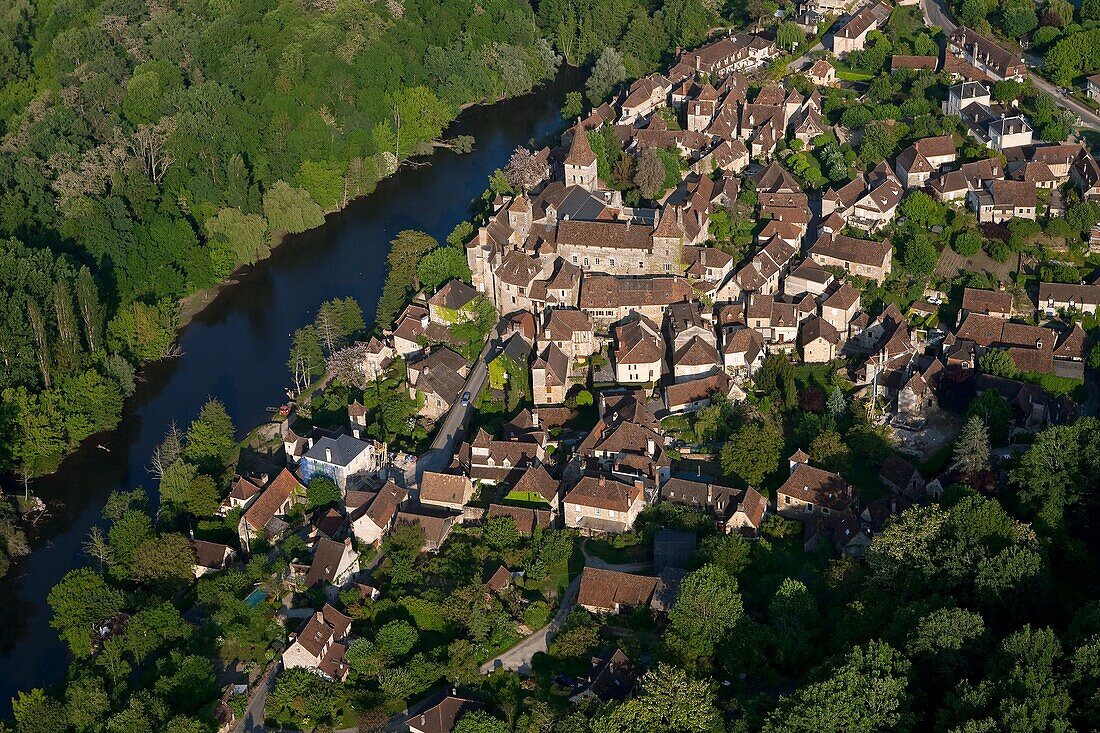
(320, 645)
(333, 565)
(1068, 297)
(342, 459)
(611, 591)
(372, 514)
(266, 517)
(809, 490)
(862, 257)
(550, 376)
(902, 477)
(819, 340)
(445, 490)
(639, 351)
(571, 331)
(452, 304)
(600, 505)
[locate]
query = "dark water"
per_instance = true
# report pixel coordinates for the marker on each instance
(236, 350)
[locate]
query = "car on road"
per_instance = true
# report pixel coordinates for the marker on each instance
(465, 399)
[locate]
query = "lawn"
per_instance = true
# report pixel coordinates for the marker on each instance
(1074, 388)
(852, 75)
(604, 550)
(528, 499)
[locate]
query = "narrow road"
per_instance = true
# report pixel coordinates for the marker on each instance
(253, 719)
(454, 424)
(518, 658)
(936, 14)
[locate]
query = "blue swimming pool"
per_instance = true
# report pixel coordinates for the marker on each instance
(256, 597)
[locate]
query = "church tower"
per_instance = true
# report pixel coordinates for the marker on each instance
(580, 164)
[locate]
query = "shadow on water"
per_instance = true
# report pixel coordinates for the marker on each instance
(236, 350)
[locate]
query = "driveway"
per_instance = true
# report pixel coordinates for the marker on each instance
(454, 424)
(936, 14)
(518, 658)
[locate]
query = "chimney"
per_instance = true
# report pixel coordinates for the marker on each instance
(328, 455)
(651, 445)
(356, 434)
(535, 418)
(603, 481)
(680, 217)
(309, 440)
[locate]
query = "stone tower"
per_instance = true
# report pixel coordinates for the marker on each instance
(580, 164)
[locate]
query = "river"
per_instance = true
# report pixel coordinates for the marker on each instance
(236, 350)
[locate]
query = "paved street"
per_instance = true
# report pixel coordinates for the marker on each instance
(518, 658)
(936, 14)
(454, 425)
(253, 719)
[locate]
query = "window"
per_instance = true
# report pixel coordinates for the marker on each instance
(809, 507)
(611, 513)
(668, 267)
(641, 265)
(611, 261)
(596, 511)
(786, 500)
(586, 262)
(574, 259)
(597, 260)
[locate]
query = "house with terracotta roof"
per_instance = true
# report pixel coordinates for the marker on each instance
(696, 359)
(822, 73)
(819, 341)
(808, 277)
(333, 565)
(602, 505)
(917, 163)
(902, 477)
(445, 490)
(839, 305)
(639, 351)
(1085, 174)
(413, 327)
(995, 61)
(550, 376)
(537, 485)
(626, 442)
(454, 303)
(372, 514)
(695, 394)
(210, 557)
(914, 63)
(1068, 297)
(436, 525)
(809, 490)
(852, 35)
(644, 97)
(266, 517)
(608, 299)
(733, 510)
(491, 461)
(1031, 348)
(1004, 200)
(742, 352)
(442, 717)
(571, 331)
(526, 519)
(320, 645)
(610, 591)
(242, 492)
(986, 302)
(862, 257)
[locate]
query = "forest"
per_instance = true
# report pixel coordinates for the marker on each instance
(148, 151)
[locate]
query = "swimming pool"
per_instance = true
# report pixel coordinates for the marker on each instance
(256, 597)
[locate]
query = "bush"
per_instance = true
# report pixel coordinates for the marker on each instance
(537, 615)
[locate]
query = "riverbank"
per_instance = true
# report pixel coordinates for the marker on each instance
(235, 349)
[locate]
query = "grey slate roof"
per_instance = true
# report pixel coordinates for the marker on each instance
(344, 450)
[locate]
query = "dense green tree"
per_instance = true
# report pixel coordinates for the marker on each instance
(81, 600)
(752, 452)
(321, 491)
(406, 251)
(606, 74)
(998, 363)
(479, 721)
(971, 454)
(668, 700)
(183, 488)
(869, 691)
(37, 712)
(291, 209)
(707, 607)
(210, 439)
(995, 413)
(442, 265)
(307, 360)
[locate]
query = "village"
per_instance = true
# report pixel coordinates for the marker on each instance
(626, 398)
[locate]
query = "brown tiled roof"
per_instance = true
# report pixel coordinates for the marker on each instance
(386, 503)
(271, 498)
(526, 519)
(817, 486)
(744, 340)
(638, 341)
(609, 589)
(454, 295)
(843, 297)
(326, 561)
(580, 152)
(696, 352)
(555, 362)
(610, 234)
(936, 147)
(914, 62)
(897, 471)
(987, 301)
(1072, 344)
(1069, 292)
(537, 480)
(499, 580)
(210, 554)
(696, 389)
(435, 526)
(518, 269)
(323, 626)
(442, 717)
(859, 23)
(815, 328)
(600, 291)
(1013, 193)
(862, 251)
(444, 488)
(604, 493)
(562, 323)
(243, 489)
